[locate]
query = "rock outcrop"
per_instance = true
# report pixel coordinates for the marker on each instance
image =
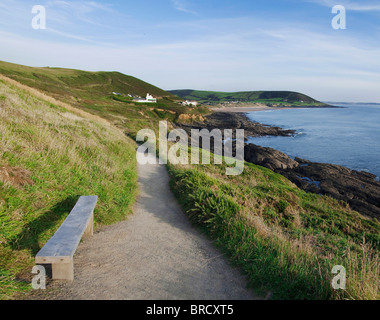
(359, 189)
(225, 120)
(268, 157)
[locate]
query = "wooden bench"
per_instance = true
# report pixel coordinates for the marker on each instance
(59, 250)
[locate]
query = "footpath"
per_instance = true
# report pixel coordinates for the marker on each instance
(154, 255)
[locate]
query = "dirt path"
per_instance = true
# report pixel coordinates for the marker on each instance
(155, 255)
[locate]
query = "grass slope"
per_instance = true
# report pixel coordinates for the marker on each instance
(78, 84)
(268, 97)
(48, 158)
(92, 92)
(286, 240)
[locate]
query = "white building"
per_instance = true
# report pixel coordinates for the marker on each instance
(149, 98)
(189, 103)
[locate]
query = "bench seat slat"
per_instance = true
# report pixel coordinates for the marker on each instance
(63, 244)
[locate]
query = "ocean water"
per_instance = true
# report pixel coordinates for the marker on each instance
(348, 136)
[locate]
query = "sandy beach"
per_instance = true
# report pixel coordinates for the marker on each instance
(243, 109)
(247, 108)
(254, 108)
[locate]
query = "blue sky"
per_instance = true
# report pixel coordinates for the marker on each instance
(222, 45)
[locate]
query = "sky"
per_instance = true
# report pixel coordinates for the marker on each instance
(220, 45)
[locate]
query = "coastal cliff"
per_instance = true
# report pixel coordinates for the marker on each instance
(358, 189)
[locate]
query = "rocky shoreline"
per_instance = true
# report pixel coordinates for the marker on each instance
(227, 120)
(359, 189)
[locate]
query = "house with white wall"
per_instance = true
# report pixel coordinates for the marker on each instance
(149, 99)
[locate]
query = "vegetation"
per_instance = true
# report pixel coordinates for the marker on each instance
(64, 136)
(279, 98)
(49, 157)
(93, 93)
(286, 240)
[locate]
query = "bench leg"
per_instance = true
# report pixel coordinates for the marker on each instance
(63, 271)
(90, 227)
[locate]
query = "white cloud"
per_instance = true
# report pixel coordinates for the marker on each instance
(75, 37)
(350, 5)
(78, 13)
(327, 67)
(78, 20)
(182, 5)
(218, 54)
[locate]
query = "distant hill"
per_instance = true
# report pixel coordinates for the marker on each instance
(77, 84)
(269, 97)
(106, 94)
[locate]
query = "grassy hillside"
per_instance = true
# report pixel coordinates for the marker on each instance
(79, 85)
(48, 158)
(92, 92)
(284, 239)
(266, 97)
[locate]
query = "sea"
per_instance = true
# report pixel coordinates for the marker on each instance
(348, 136)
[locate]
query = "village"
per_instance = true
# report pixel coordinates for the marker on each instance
(150, 99)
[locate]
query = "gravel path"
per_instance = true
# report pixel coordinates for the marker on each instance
(155, 255)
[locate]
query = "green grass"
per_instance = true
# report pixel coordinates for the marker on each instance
(48, 159)
(92, 92)
(280, 98)
(78, 84)
(286, 240)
